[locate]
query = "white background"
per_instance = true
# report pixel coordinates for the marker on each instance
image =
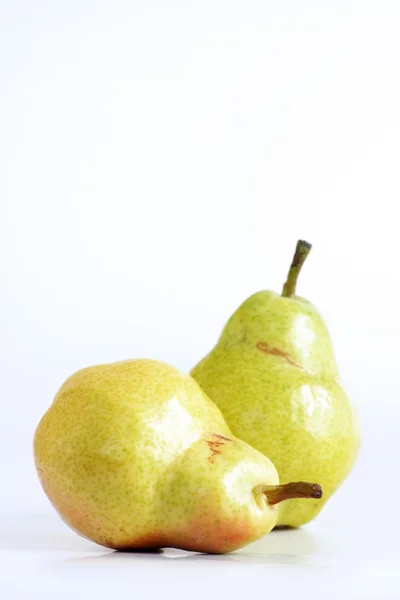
(158, 162)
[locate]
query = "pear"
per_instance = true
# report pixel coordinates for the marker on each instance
(133, 455)
(274, 376)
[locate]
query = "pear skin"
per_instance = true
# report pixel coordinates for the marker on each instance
(274, 376)
(134, 455)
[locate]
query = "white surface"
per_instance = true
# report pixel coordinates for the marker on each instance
(158, 162)
(293, 564)
(350, 551)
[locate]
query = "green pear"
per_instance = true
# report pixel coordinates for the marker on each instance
(274, 376)
(133, 455)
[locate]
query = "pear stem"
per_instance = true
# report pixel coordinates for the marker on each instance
(288, 491)
(302, 250)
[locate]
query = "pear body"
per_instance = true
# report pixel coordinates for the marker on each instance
(274, 376)
(134, 455)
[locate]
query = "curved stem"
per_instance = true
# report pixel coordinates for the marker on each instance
(302, 250)
(288, 491)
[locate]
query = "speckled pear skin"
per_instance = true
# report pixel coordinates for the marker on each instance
(274, 376)
(134, 455)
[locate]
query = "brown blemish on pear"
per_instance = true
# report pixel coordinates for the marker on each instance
(215, 444)
(276, 352)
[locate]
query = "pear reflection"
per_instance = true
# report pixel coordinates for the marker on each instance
(288, 546)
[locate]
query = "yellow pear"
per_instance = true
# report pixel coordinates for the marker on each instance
(274, 376)
(134, 455)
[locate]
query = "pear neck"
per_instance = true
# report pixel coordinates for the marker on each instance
(302, 250)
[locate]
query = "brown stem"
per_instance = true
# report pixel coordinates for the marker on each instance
(287, 491)
(302, 250)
